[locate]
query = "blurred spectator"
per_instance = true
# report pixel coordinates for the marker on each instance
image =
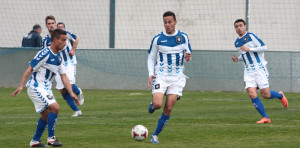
(33, 39)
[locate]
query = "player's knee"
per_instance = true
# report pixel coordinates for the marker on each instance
(168, 109)
(54, 108)
(252, 95)
(266, 95)
(157, 105)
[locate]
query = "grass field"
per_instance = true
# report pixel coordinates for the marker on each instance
(199, 119)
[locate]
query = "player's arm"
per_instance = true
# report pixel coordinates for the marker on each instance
(65, 80)
(44, 43)
(235, 58)
(188, 50)
(74, 47)
(260, 45)
(26, 74)
(151, 60)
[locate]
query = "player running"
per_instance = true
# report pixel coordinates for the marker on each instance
(170, 47)
(44, 67)
(255, 71)
(69, 62)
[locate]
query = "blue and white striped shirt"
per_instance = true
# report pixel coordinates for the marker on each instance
(67, 59)
(253, 59)
(45, 66)
(169, 50)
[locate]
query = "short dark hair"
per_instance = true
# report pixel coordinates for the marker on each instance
(36, 26)
(61, 23)
(240, 20)
(170, 13)
(56, 33)
(49, 17)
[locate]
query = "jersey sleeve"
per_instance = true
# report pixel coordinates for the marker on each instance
(40, 58)
(70, 36)
(44, 43)
(61, 69)
(260, 45)
(187, 44)
(152, 55)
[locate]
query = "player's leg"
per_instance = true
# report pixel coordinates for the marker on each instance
(259, 106)
(251, 88)
(52, 118)
(40, 128)
(263, 83)
(72, 75)
(67, 97)
(173, 92)
(165, 116)
(41, 99)
(158, 90)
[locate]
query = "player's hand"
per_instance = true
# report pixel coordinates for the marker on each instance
(72, 53)
(234, 58)
(244, 48)
(150, 81)
(187, 56)
(17, 91)
(75, 98)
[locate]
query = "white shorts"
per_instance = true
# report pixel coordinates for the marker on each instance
(71, 73)
(258, 78)
(168, 84)
(41, 98)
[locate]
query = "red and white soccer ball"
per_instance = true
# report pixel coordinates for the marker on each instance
(139, 132)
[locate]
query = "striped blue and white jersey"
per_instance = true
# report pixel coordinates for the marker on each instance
(45, 66)
(168, 50)
(253, 59)
(67, 59)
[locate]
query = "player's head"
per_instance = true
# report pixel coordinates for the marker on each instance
(240, 27)
(61, 25)
(37, 28)
(169, 21)
(50, 23)
(58, 39)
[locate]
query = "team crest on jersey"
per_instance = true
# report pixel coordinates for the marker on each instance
(178, 39)
(59, 59)
(157, 86)
(245, 39)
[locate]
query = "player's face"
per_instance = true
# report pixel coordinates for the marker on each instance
(169, 24)
(61, 26)
(51, 25)
(240, 28)
(61, 42)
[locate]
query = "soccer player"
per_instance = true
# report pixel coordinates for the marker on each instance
(255, 71)
(44, 66)
(171, 47)
(69, 63)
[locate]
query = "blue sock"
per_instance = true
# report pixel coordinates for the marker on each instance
(162, 121)
(51, 124)
(275, 94)
(75, 89)
(259, 107)
(70, 101)
(40, 128)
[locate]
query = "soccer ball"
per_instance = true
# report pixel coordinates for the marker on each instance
(139, 132)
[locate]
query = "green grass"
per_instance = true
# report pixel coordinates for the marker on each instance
(199, 119)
